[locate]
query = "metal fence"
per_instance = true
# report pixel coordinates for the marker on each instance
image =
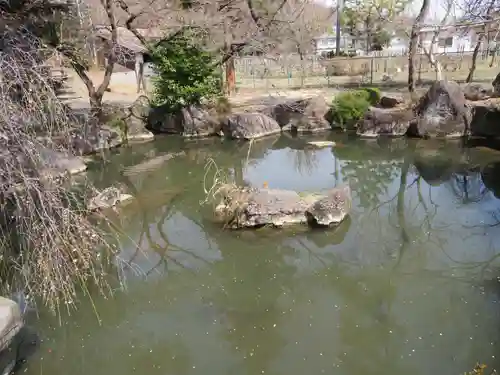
(286, 72)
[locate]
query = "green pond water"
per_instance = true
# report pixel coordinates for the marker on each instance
(407, 285)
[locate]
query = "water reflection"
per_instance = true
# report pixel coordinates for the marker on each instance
(396, 288)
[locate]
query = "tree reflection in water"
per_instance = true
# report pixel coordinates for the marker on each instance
(396, 189)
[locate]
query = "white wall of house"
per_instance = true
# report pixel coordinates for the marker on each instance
(450, 41)
(398, 46)
(328, 43)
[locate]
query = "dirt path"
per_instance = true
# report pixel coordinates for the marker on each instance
(122, 90)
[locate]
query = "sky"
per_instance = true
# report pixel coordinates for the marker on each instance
(437, 8)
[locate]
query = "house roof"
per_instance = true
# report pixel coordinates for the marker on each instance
(457, 26)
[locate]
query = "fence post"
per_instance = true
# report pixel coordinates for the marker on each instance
(420, 69)
(371, 70)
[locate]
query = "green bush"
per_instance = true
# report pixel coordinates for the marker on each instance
(185, 73)
(373, 95)
(349, 107)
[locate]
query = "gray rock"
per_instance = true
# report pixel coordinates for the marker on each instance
(390, 122)
(11, 322)
(442, 112)
(161, 121)
(192, 121)
(246, 207)
(91, 139)
(136, 121)
(486, 118)
(477, 91)
(108, 198)
(303, 115)
(331, 209)
(250, 126)
(140, 108)
(496, 85)
(199, 122)
(391, 101)
(57, 163)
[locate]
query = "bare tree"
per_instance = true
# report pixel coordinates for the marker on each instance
(435, 37)
(47, 243)
(78, 62)
(485, 18)
(495, 40)
(301, 22)
(231, 25)
(414, 37)
(369, 18)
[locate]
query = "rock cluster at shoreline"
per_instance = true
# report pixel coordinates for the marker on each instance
(446, 110)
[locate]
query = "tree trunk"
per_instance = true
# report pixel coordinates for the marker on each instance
(96, 94)
(496, 46)
(302, 66)
(96, 105)
(470, 76)
(368, 35)
(479, 41)
(229, 63)
(230, 76)
(338, 29)
(413, 44)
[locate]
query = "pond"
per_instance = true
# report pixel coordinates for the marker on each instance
(406, 285)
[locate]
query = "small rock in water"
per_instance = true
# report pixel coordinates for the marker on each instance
(108, 198)
(321, 144)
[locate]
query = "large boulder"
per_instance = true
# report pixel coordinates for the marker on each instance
(92, 138)
(249, 126)
(135, 120)
(477, 91)
(391, 122)
(307, 115)
(486, 118)
(331, 209)
(199, 122)
(391, 100)
(248, 207)
(442, 112)
(126, 122)
(496, 85)
(57, 163)
(191, 121)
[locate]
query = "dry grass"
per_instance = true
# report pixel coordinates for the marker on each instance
(48, 246)
(256, 75)
(221, 191)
